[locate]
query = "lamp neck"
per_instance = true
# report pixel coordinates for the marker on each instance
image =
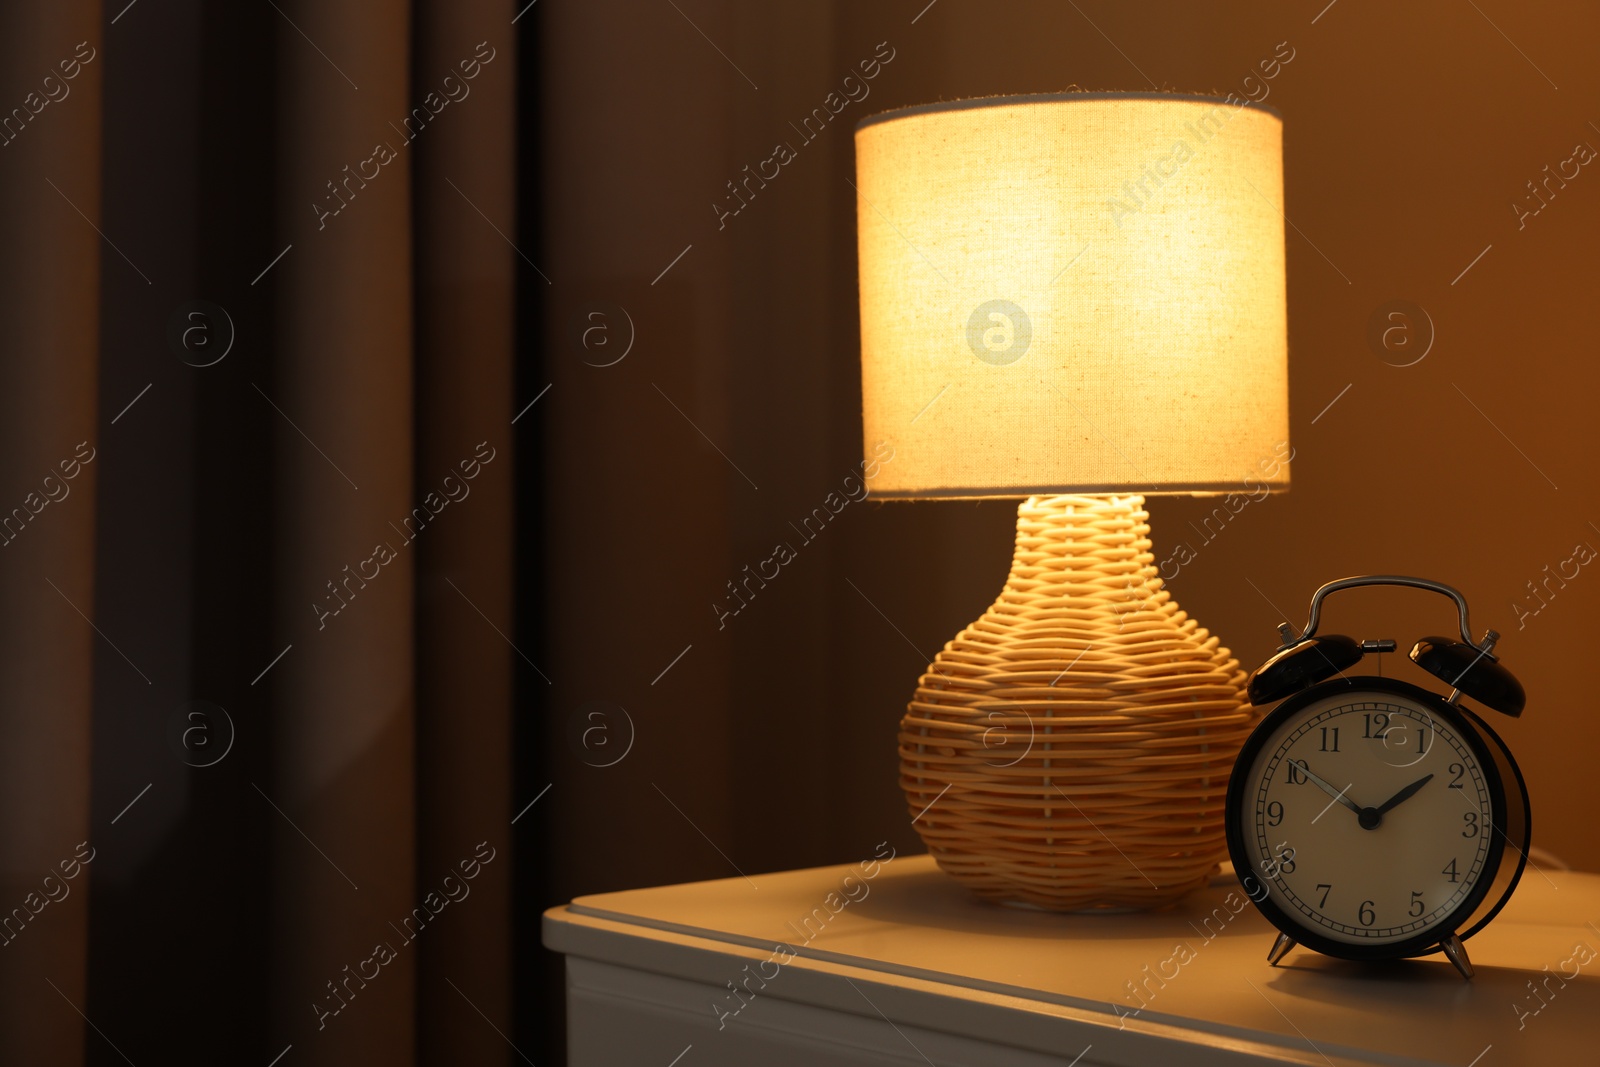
(1099, 545)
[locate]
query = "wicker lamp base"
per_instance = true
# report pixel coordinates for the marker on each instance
(1071, 748)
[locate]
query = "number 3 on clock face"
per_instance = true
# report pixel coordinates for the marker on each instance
(1368, 819)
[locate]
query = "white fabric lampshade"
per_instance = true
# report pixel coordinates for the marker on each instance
(1077, 293)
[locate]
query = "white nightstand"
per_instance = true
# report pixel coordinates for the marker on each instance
(914, 970)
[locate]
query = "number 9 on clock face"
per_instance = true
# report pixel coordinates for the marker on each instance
(1365, 819)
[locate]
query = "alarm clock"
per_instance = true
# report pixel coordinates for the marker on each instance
(1369, 818)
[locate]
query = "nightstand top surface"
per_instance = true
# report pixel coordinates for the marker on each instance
(1198, 969)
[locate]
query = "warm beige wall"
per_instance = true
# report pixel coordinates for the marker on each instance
(1408, 131)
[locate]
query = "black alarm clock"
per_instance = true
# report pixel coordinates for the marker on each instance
(1372, 819)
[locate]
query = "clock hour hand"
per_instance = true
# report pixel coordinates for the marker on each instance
(1404, 794)
(1336, 794)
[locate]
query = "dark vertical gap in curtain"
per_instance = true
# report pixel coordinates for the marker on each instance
(464, 63)
(148, 816)
(343, 696)
(540, 974)
(235, 553)
(49, 285)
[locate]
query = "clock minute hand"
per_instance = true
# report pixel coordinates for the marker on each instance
(1404, 794)
(1336, 794)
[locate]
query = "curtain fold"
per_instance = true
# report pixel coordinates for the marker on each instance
(465, 56)
(343, 694)
(49, 263)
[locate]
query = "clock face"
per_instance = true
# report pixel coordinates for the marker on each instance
(1367, 814)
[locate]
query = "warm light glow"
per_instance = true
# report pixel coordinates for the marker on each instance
(1079, 293)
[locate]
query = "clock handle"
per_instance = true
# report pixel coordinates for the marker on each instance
(1280, 949)
(1291, 638)
(1456, 953)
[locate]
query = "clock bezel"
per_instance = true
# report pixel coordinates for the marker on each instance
(1494, 759)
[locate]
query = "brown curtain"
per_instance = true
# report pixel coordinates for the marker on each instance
(311, 534)
(49, 262)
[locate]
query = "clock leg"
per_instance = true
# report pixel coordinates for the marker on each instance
(1280, 949)
(1456, 952)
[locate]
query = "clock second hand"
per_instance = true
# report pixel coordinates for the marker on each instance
(1337, 794)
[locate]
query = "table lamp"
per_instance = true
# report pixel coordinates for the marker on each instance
(1075, 299)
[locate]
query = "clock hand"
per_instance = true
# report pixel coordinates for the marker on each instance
(1336, 794)
(1404, 794)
